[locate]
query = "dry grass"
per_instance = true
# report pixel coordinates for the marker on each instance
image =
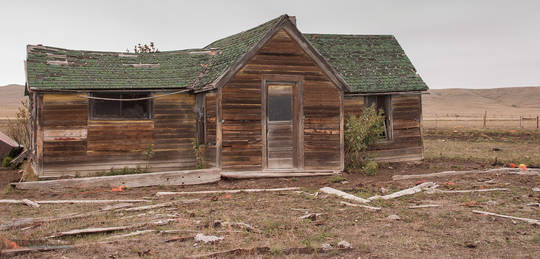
(486, 146)
(449, 231)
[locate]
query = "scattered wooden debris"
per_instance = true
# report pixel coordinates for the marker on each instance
(30, 203)
(421, 187)
(268, 251)
(344, 244)
(180, 239)
(531, 221)
(149, 207)
(73, 201)
(311, 216)
(424, 206)
(467, 191)
(33, 221)
(454, 173)
(135, 233)
(184, 177)
(229, 191)
(26, 250)
(85, 231)
(116, 206)
(393, 217)
(534, 204)
(330, 190)
(207, 239)
(239, 225)
(360, 205)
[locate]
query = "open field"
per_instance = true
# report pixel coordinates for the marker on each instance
(465, 108)
(448, 231)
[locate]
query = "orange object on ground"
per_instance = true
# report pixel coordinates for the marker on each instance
(523, 167)
(14, 245)
(513, 165)
(120, 188)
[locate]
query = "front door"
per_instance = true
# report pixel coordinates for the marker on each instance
(280, 128)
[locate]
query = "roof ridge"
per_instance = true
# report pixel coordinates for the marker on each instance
(249, 30)
(30, 47)
(346, 34)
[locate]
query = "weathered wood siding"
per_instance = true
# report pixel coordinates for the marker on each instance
(73, 143)
(354, 105)
(174, 131)
(64, 130)
(406, 144)
(241, 108)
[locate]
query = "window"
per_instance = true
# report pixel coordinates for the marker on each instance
(383, 103)
(122, 108)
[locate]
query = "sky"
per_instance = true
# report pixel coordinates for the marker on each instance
(452, 44)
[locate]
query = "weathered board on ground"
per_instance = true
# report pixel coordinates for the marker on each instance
(186, 177)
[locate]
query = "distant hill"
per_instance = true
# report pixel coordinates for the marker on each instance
(10, 99)
(500, 101)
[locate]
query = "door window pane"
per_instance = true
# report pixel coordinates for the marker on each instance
(279, 102)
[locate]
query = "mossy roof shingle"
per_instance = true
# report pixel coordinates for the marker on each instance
(369, 63)
(366, 63)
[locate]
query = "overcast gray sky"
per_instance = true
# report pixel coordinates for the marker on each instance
(469, 44)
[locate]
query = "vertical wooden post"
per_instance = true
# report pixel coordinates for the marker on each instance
(537, 122)
(521, 121)
(485, 116)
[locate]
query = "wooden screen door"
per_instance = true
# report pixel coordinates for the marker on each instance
(280, 129)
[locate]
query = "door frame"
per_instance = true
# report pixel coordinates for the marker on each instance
(298, 118)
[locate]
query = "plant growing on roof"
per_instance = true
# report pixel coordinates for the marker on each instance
(360, 133)
(145, 48)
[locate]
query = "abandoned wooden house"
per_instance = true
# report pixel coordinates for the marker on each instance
(268, 99)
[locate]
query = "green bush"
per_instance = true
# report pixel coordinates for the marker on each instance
(6, 161)
(361, 132)
(370, 167)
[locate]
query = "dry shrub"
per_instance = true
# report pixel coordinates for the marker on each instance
(19, 128)
(361, 132)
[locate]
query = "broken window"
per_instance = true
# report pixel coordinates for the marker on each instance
(120, 106)
(383, 103)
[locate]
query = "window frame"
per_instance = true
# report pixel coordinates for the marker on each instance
(92, 105)
(388, 118)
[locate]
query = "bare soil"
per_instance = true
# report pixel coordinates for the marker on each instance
(449, 231)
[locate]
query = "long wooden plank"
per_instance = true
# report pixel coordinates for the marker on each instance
(229, 191)
(186, 177)
(263, 174)
(455, 173)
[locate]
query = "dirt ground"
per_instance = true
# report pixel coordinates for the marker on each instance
(449, 231)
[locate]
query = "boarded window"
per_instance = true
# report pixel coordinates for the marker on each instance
(383, 103)
(122, 107)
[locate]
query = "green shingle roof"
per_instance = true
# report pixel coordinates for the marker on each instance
(55, 68)
(366, 63)
(369, 63)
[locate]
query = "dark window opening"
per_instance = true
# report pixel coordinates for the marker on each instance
(383, 103)
(121, 108)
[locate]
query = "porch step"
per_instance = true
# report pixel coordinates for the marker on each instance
(275, 174)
